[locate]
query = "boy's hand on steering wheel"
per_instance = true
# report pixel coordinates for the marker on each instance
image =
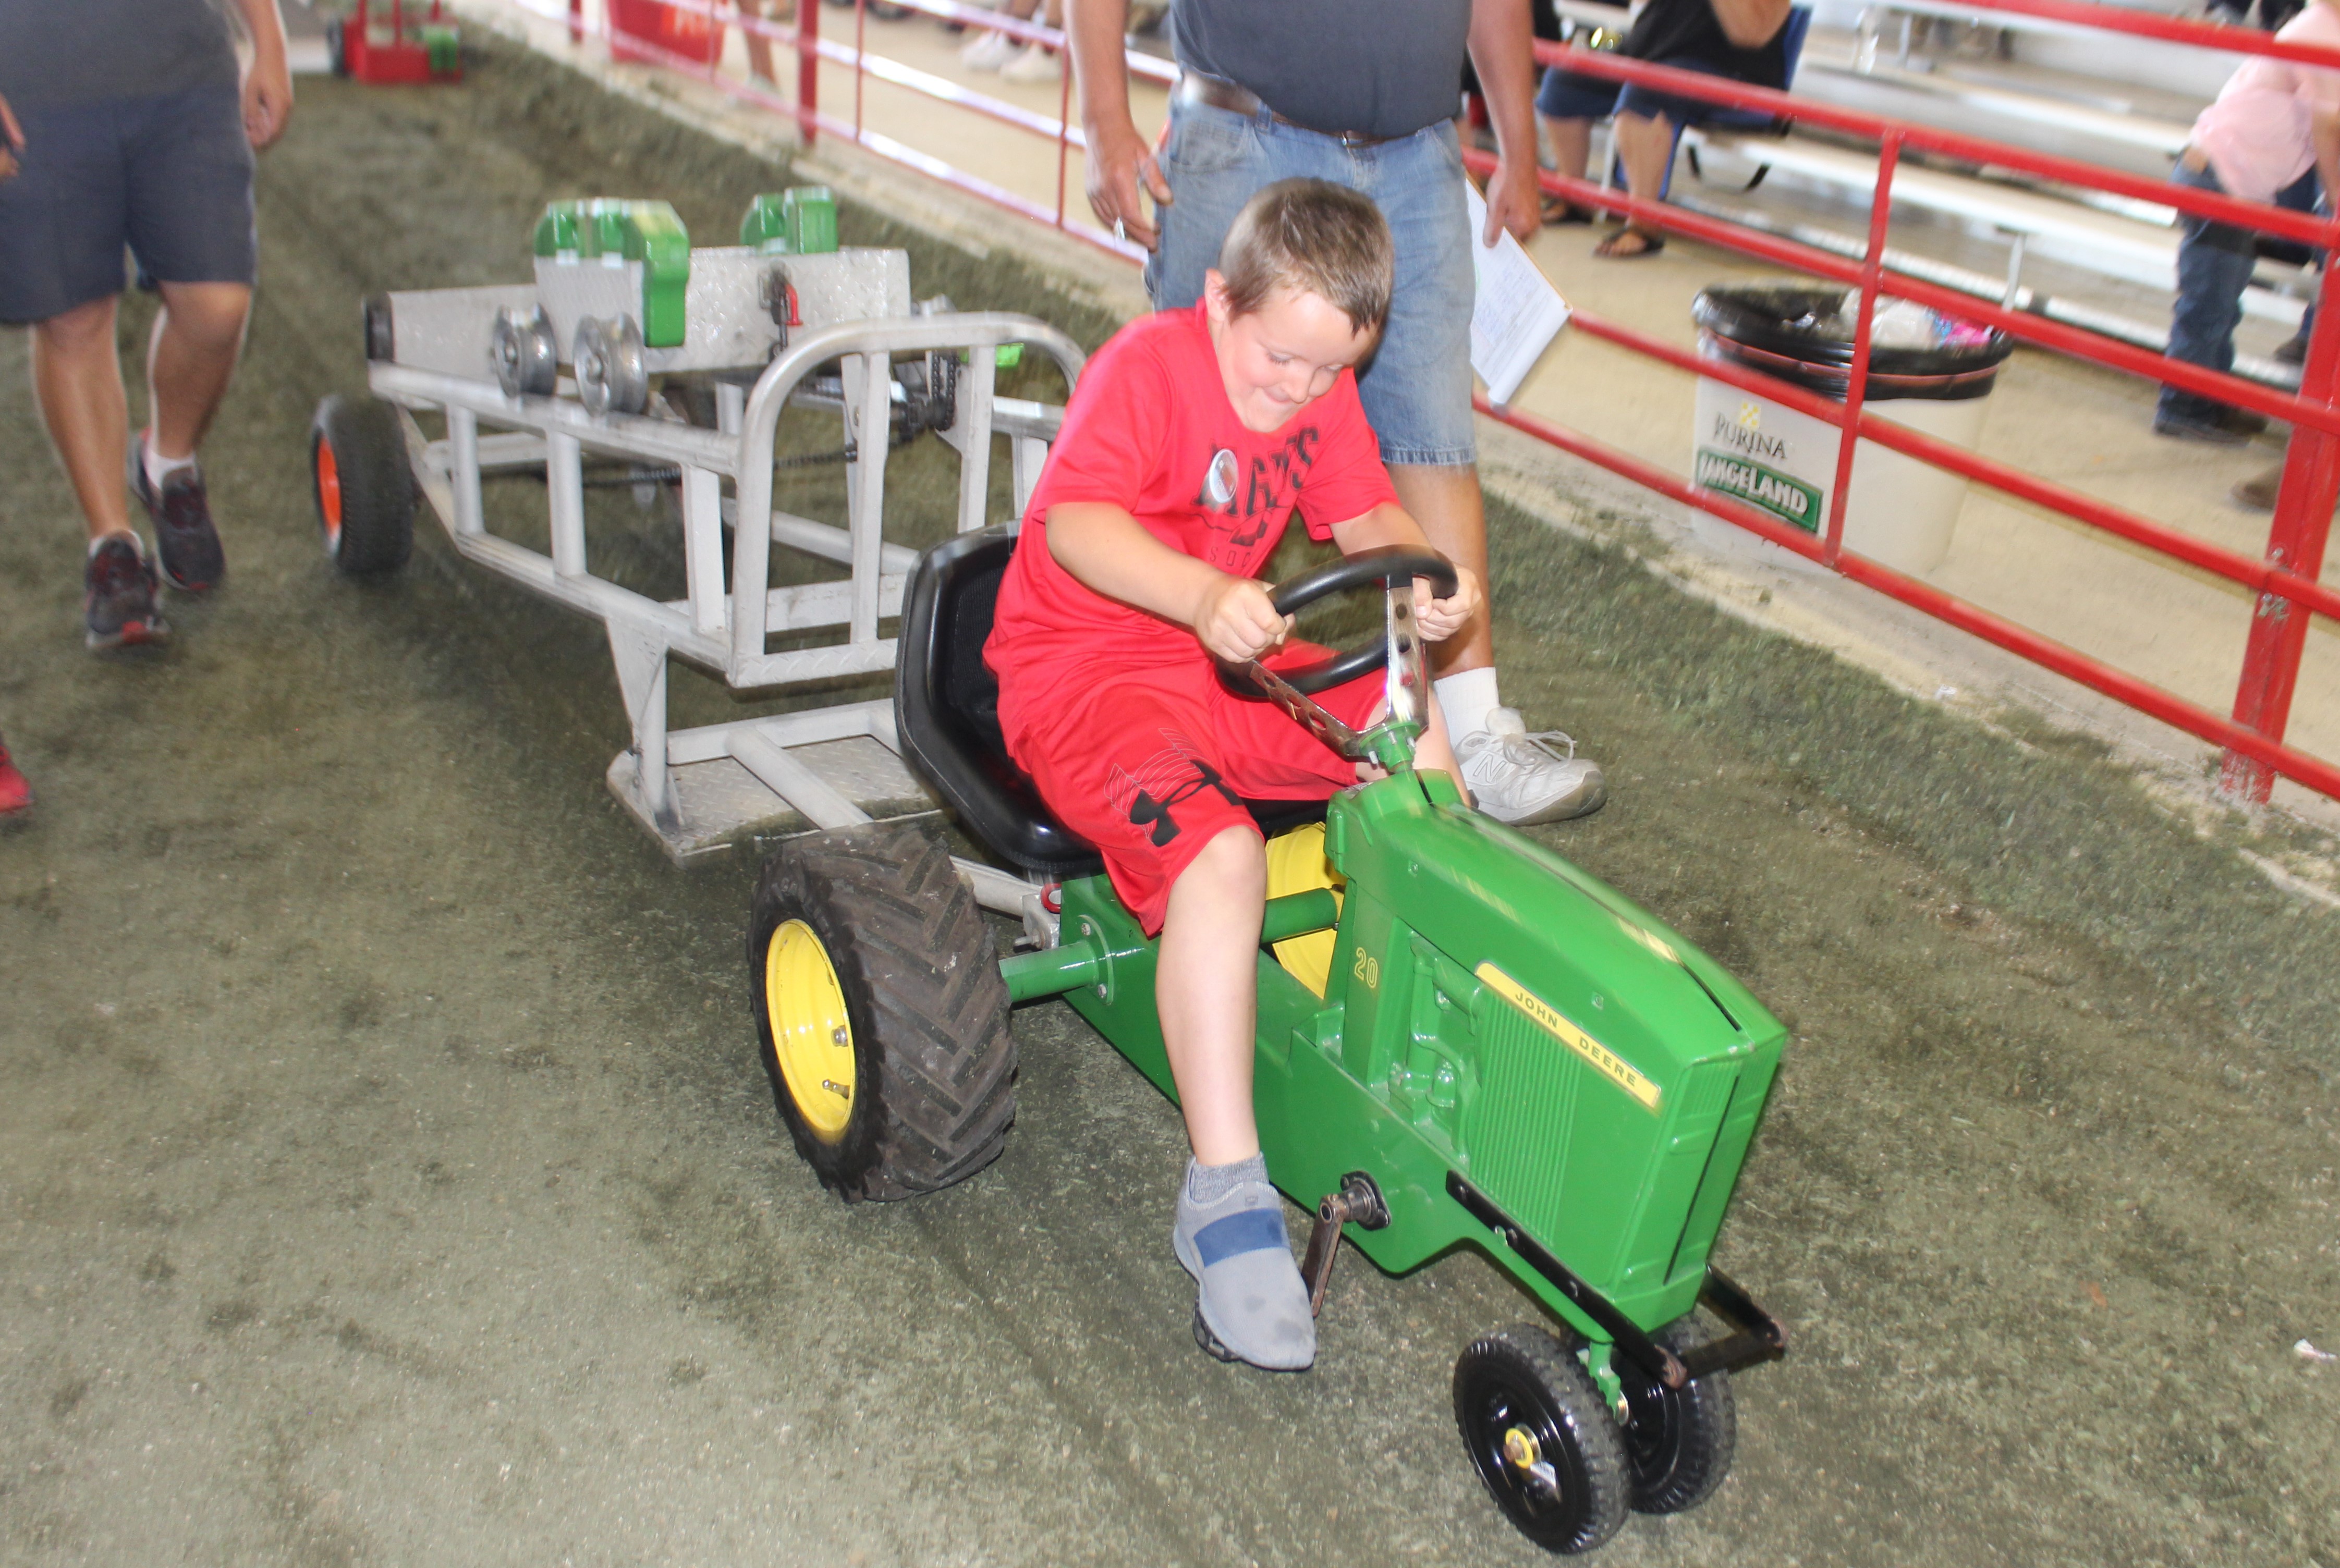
(1442, 619)
(1236, 620)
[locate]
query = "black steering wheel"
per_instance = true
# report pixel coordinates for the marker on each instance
(1391, 565)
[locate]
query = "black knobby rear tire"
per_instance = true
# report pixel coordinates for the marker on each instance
(933, 1091)
(1540, 1438)
(362, 487)
(1679, 1442)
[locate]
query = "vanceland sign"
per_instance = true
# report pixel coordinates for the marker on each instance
(1792, 500)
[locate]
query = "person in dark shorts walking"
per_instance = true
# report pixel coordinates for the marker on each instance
(126, 127)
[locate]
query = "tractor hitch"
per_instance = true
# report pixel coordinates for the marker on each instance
(1359, 1203)
(1755, 1334)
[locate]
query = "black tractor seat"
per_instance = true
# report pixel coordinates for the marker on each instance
(946, 712)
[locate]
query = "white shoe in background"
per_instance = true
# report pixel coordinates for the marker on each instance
(1038, 63)
(987, 52)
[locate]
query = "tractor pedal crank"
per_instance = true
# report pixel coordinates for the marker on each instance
(1358, 1202)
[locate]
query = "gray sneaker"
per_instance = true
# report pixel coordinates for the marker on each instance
(1519, 778)
(186, 542)
(118, 596)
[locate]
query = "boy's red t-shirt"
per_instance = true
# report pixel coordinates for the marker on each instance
(1143, 431)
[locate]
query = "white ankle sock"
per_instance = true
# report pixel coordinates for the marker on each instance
(156, 465)
(130, 534)
(1467, 699)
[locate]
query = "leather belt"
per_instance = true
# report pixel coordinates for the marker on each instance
(1195, 88)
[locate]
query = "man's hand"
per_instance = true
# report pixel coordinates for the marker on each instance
(1236, 621)
(267, 101)
(1119, 159)
(1514, 201)
(11, 142)
(1442, 619)
(1503, 52)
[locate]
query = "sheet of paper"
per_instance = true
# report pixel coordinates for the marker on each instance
(1519, 311)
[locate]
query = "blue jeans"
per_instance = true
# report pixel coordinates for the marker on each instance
(2215, 262)
(1417, 390)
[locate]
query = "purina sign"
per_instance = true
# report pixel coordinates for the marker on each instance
(1736, 460)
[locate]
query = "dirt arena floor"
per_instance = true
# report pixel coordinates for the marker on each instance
(386, 1174)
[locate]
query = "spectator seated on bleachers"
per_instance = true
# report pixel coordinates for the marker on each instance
(1749, 41)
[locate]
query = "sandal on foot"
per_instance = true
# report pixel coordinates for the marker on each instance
(1629, 243)
(1560, 210)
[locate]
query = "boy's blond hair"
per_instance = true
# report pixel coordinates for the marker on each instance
(1311, 236)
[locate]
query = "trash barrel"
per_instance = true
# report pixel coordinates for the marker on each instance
(1930, 371)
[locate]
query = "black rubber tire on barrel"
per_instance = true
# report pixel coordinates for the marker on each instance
(362, 487)
(1679, 1442)
(932, 1086)
(1540, 1438)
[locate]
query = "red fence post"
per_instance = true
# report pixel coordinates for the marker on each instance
(1064, 124)
(2295, 542)
(1856, 384)
(808, 67)
(577, 21)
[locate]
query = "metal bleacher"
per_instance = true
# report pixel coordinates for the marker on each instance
(1893, 60)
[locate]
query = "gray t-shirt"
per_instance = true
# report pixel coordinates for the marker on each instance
(60, 52)
(1382, 67)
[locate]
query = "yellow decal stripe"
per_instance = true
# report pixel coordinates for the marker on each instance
(1610, 1066)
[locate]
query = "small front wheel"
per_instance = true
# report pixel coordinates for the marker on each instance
(363, 488)
(882, 1012)
(1540, 1438)
(1677, 1441)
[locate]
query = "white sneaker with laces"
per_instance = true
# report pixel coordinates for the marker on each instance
(1038, 63)
(1521, 778)
(987, 52)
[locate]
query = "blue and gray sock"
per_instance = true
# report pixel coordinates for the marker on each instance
(1230, 1236)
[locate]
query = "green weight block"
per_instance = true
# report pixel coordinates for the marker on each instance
(655, 237)
(615, 230)
(443, 48)
(798, 221)
(559, 233)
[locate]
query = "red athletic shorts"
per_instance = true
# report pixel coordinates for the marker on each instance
(1150, 765)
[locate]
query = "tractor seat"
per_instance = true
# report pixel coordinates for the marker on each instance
(947, 712)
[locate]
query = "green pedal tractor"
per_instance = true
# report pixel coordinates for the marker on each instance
(1463, 1040)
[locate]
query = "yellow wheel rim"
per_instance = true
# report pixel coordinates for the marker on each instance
(1296, 863)
(811, 1034)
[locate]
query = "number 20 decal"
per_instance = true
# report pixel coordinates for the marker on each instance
(1367, 968)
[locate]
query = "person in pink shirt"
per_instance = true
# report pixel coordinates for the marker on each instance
(2272, 121)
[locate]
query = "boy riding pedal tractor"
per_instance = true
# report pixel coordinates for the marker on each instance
(1192, 437)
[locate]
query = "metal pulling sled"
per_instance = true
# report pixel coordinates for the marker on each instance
(538, 376)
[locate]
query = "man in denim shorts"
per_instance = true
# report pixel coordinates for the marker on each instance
(123, 125)
(1362, 93)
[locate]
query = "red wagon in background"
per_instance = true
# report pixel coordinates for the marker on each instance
(675, 34)
(426, 48)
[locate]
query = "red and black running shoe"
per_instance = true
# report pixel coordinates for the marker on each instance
(184, 540)
(16, 794)
(118, 607)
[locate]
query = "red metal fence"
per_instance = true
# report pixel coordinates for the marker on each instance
(2284, 582)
